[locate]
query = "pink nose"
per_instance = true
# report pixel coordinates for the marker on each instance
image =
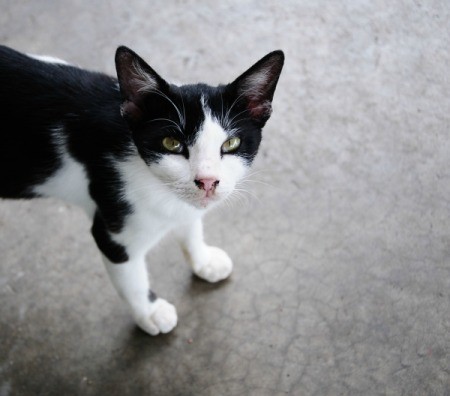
(206, 184)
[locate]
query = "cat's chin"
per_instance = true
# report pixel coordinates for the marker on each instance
(206, 202)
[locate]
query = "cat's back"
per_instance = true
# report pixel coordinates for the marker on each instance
(43, 101)
(21, 73)
(46, 84)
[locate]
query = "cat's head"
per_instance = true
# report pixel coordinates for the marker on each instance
(197, 140)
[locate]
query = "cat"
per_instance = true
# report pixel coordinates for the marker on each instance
(141, 156)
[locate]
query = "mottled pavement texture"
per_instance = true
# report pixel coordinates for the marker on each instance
(341, 246)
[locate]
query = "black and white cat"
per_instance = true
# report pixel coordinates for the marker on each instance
(140, 155)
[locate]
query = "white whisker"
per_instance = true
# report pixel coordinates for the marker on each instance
(184, 111)
(227, 123)
(180, 116)
(169, 121)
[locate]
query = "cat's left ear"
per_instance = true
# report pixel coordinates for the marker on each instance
(257, 85)
(136, 80)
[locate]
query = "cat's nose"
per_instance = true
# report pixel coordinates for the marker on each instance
(206, 184)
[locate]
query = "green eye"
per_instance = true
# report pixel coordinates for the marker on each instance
(231, 145)
(173, 145)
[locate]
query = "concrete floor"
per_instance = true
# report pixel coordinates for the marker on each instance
(342, 252)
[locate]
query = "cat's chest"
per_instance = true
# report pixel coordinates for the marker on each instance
(153, 215)
(154, 207)
(155, 210)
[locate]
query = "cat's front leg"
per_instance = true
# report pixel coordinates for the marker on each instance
(208, 262)
(127, 270)
(152, 314)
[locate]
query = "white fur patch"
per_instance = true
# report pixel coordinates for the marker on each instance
(215, 267)
(156, 208)
(205, 154)
(69, 182)
(48, 59)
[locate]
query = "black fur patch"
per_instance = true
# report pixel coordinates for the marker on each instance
(115, 252)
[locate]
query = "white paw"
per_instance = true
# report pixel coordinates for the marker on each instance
(217, 268)
(162, 318)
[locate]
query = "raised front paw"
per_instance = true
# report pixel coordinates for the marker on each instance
(161, 319)
(216, 268)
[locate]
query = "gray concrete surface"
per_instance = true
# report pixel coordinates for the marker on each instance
(342, 280)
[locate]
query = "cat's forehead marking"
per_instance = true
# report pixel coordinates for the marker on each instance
(203, 103)
(205, 108)
(211, 133)
(212, 129)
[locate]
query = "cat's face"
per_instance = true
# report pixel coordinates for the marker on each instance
(203, 164)
(197, 140)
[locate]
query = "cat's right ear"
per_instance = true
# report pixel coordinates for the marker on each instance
(136, 80)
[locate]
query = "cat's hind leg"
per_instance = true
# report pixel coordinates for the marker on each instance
(208, 262)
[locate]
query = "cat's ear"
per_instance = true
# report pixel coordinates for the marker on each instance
(257, 85)
(136, 80)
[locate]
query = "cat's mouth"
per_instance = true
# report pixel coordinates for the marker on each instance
(208, 198)
(205, 200)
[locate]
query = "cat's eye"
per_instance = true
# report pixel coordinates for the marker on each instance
(231, 145)
(172, 145)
